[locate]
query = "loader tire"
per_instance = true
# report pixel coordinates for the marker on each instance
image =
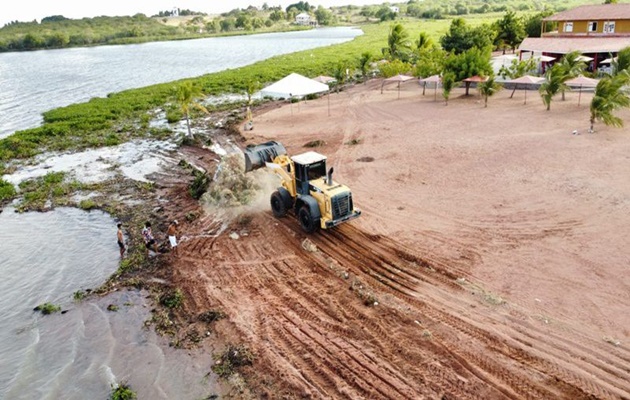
(308, 223)
(277, 205)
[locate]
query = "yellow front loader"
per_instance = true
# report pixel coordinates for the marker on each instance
(306, 187)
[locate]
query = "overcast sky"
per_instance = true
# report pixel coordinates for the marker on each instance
(28, 10)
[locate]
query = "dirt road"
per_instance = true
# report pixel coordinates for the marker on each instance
(490, 261)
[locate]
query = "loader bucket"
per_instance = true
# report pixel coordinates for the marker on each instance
(257, 156)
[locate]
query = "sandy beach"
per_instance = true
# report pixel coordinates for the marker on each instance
(493, 240)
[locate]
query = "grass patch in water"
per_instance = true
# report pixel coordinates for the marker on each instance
(122, 391)
(79, 295)
(7, 191)
(47, 308)
(87, 204)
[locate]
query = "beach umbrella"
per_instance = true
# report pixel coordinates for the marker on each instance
(431, 79)
(582, 81)
(475, 79)
(525, 80)
(397, 78)
(608, 60)
(544, 58)
(584, 58)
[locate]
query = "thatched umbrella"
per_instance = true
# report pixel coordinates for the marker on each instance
(476, 79)
(431, 79)
(525, 80)
(582, 81)
(397, 78)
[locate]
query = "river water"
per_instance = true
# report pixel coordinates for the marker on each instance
(37, 81)
(46, 257)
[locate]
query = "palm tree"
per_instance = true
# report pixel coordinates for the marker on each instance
(340, 74)
(622, 61)
(489, 88)
(424, 42)
(364, 64)
(448, 83)
(554, 83)
(609, 96)
(186, 96)
(572, 65)
(397, 42)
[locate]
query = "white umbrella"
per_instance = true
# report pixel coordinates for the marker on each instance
(582, 81)
(397, 78)
(545, 58)
(526, 79)
(584, 58)
(431, 79)
(608, 60)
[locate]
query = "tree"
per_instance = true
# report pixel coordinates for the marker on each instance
(622, 62)
(395, 67)
(339, 73)
(430, 62)
(424, 41)
(472, 62)
(510, 30)
(364, 64)
(533, 24)
(609, 96)
(323, 16)
(610, 1)
(554, 83)
(489, 88)
(448, 83)
(461, 37)
(186, 95)
(572, 66)
(398, 45)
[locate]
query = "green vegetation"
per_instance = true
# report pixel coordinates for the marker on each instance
(7, 191)
(112, 307)
(187, 95)
(78, 295)
(489, 88)
(87, 204)
(122, 391)
(610, 95)
(234, 357)
(60, 32)
(47, 308)
(173, 299)
(199, 185)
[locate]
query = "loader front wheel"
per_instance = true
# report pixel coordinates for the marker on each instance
(308, 223)
(277, 205)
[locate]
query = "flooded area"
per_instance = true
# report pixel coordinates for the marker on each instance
(46, 257)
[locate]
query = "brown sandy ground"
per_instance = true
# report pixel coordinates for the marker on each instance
(490, 262)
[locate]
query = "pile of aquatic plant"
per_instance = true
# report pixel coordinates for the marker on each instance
(232, 187)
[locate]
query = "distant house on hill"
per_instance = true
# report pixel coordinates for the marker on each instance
(303, 19)
(597, 31)
(394, 9)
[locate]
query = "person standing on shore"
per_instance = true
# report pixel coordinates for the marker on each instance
(172, 236)
(149, 240)
(121, 240)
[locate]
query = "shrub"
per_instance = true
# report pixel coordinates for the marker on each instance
(47, 308)
(173, 299)
(199, 186)
(122, 391)
(7, 190)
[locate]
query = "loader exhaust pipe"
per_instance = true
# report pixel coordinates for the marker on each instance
(257, 156)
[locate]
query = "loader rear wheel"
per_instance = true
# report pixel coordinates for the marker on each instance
(277, 205)
(308, 223)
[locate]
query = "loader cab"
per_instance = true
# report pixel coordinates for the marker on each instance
(308, 166)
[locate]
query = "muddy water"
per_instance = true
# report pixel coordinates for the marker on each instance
(79, 354)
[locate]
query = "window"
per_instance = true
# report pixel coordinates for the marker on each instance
(568, 26)
(609, 27)
(592, 26)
